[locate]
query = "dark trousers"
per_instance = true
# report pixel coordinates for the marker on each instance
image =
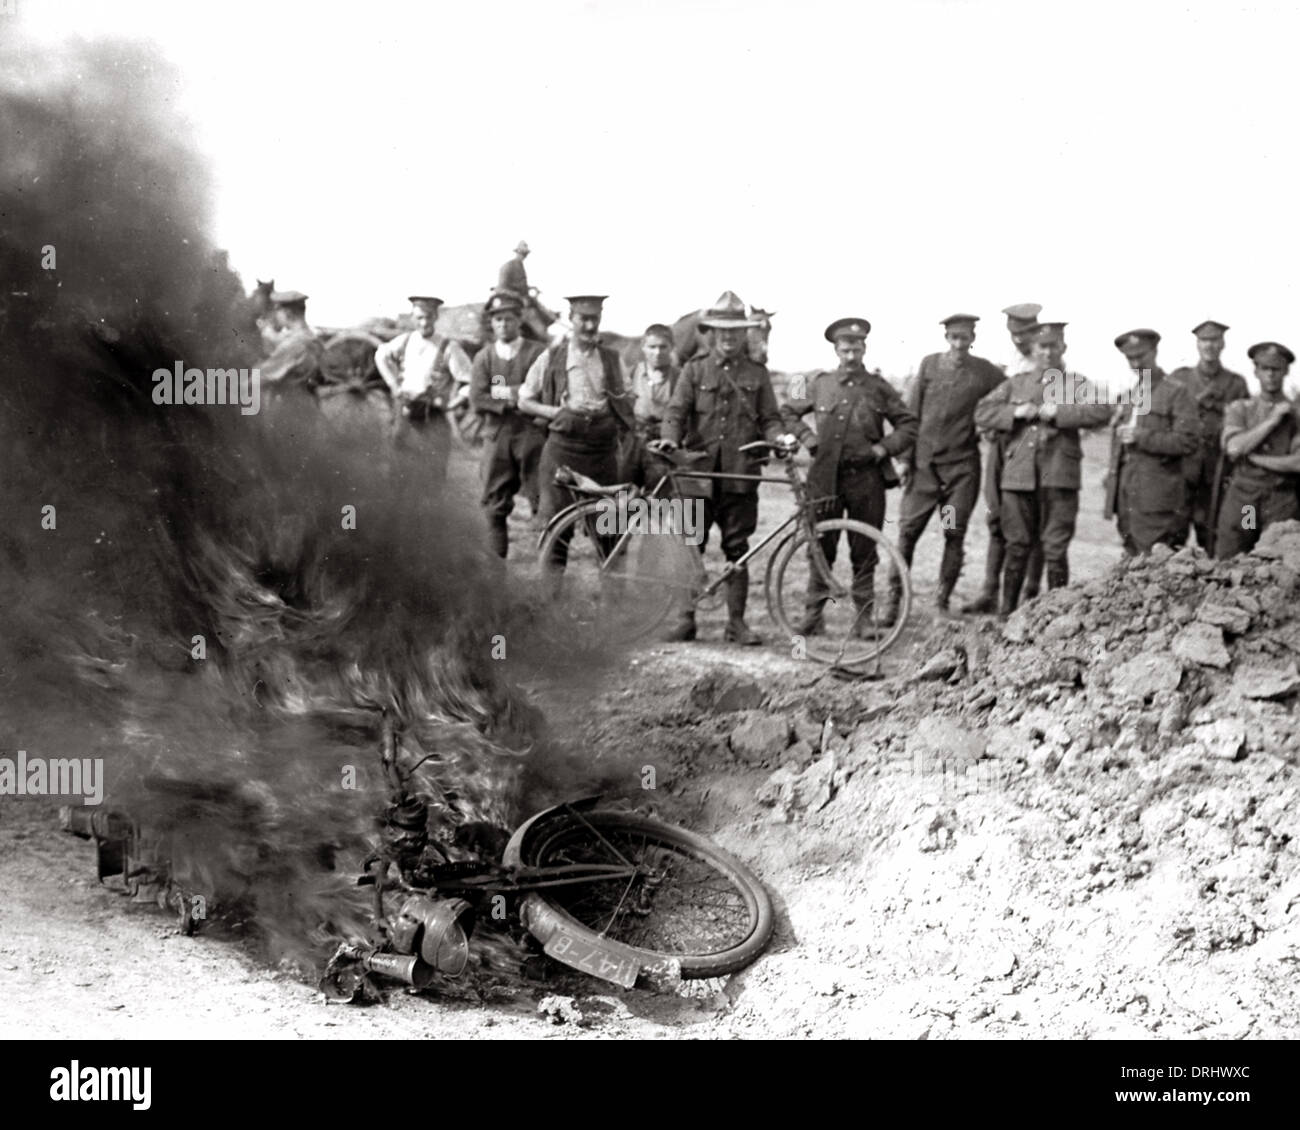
(1140, 527)
(1200, 493)
(428, 440)
(860, 495)
(1045, 517)
(594, 453)
(1247, 510)
(997, 551)
(952, 488)
(509, 464)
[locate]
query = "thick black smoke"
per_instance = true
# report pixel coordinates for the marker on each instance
(132, 529)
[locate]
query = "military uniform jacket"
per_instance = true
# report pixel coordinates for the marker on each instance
(851, 410)
(1167, 434)
(718, 406)
(1041, 453)
(1241, 416)
(943, 399)
(1211, 395)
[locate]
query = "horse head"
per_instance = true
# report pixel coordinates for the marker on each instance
(759, 334)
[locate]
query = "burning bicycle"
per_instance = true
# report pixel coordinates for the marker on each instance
(615, 894)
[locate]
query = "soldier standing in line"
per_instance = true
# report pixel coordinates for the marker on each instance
(1040, 413)
(852, 460)
(1261, 441)
(423, 371)
(578, 388)
(1212, 388)
(724, 400)
(1153, 436)
(513, 441)
(944, 467)
(1022, 325)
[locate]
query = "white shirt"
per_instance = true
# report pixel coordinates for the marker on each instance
(508, 350)
(412, 357)
(586, 391)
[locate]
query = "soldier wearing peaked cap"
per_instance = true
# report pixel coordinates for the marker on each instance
(1212, 388)
(1261, 441)
(1022, 325)
(944, 466)
(425, 372)
(1152, 436)
(578, 388)
(294, 365)
(852, 459)
(514, 441)
(724, 400)
(1041, 413)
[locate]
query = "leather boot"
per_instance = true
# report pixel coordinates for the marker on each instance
(949, 571)
(889, 613)
(987, 601)
(868, 625)
(737, 597)
(1013, 576)
(498, 536)
(1033, 574)
(684, 629)
(1058, 574)
(814, 619)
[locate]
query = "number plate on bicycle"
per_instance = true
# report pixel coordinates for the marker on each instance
(607, 960)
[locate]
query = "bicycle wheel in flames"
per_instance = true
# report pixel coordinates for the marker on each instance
(850, 634)
(690, 905)
(624, 596)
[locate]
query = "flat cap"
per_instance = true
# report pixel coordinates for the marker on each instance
(1022, 315)
(1210, 328)
(1270, 352)
(728, 312)
(586, 303)
(501, 303)
(287, 297)
(1136, 342)
(848, 327)
(952, 319)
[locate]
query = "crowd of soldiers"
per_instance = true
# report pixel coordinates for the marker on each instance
(1192, 452)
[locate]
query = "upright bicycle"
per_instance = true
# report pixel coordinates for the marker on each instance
(628, 562)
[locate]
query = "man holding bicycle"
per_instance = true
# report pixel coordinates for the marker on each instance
(722, 401)
(852, 460)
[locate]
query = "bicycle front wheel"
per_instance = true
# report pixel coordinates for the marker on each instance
(689, 902)
(620, 584)
(849, 632)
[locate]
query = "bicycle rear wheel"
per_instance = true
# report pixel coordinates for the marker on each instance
(690, 903)
(849, 635)
(622, 586)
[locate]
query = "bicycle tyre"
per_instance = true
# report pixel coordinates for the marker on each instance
(567, 834)
(647, 597)
(781, 604)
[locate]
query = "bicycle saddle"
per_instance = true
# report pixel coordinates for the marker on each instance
(567, 476)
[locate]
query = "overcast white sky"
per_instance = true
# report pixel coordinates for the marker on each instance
(1124, 164)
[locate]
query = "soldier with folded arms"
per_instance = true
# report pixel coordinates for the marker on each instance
(1261, 441)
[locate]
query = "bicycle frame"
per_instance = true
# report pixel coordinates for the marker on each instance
(804, 514)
